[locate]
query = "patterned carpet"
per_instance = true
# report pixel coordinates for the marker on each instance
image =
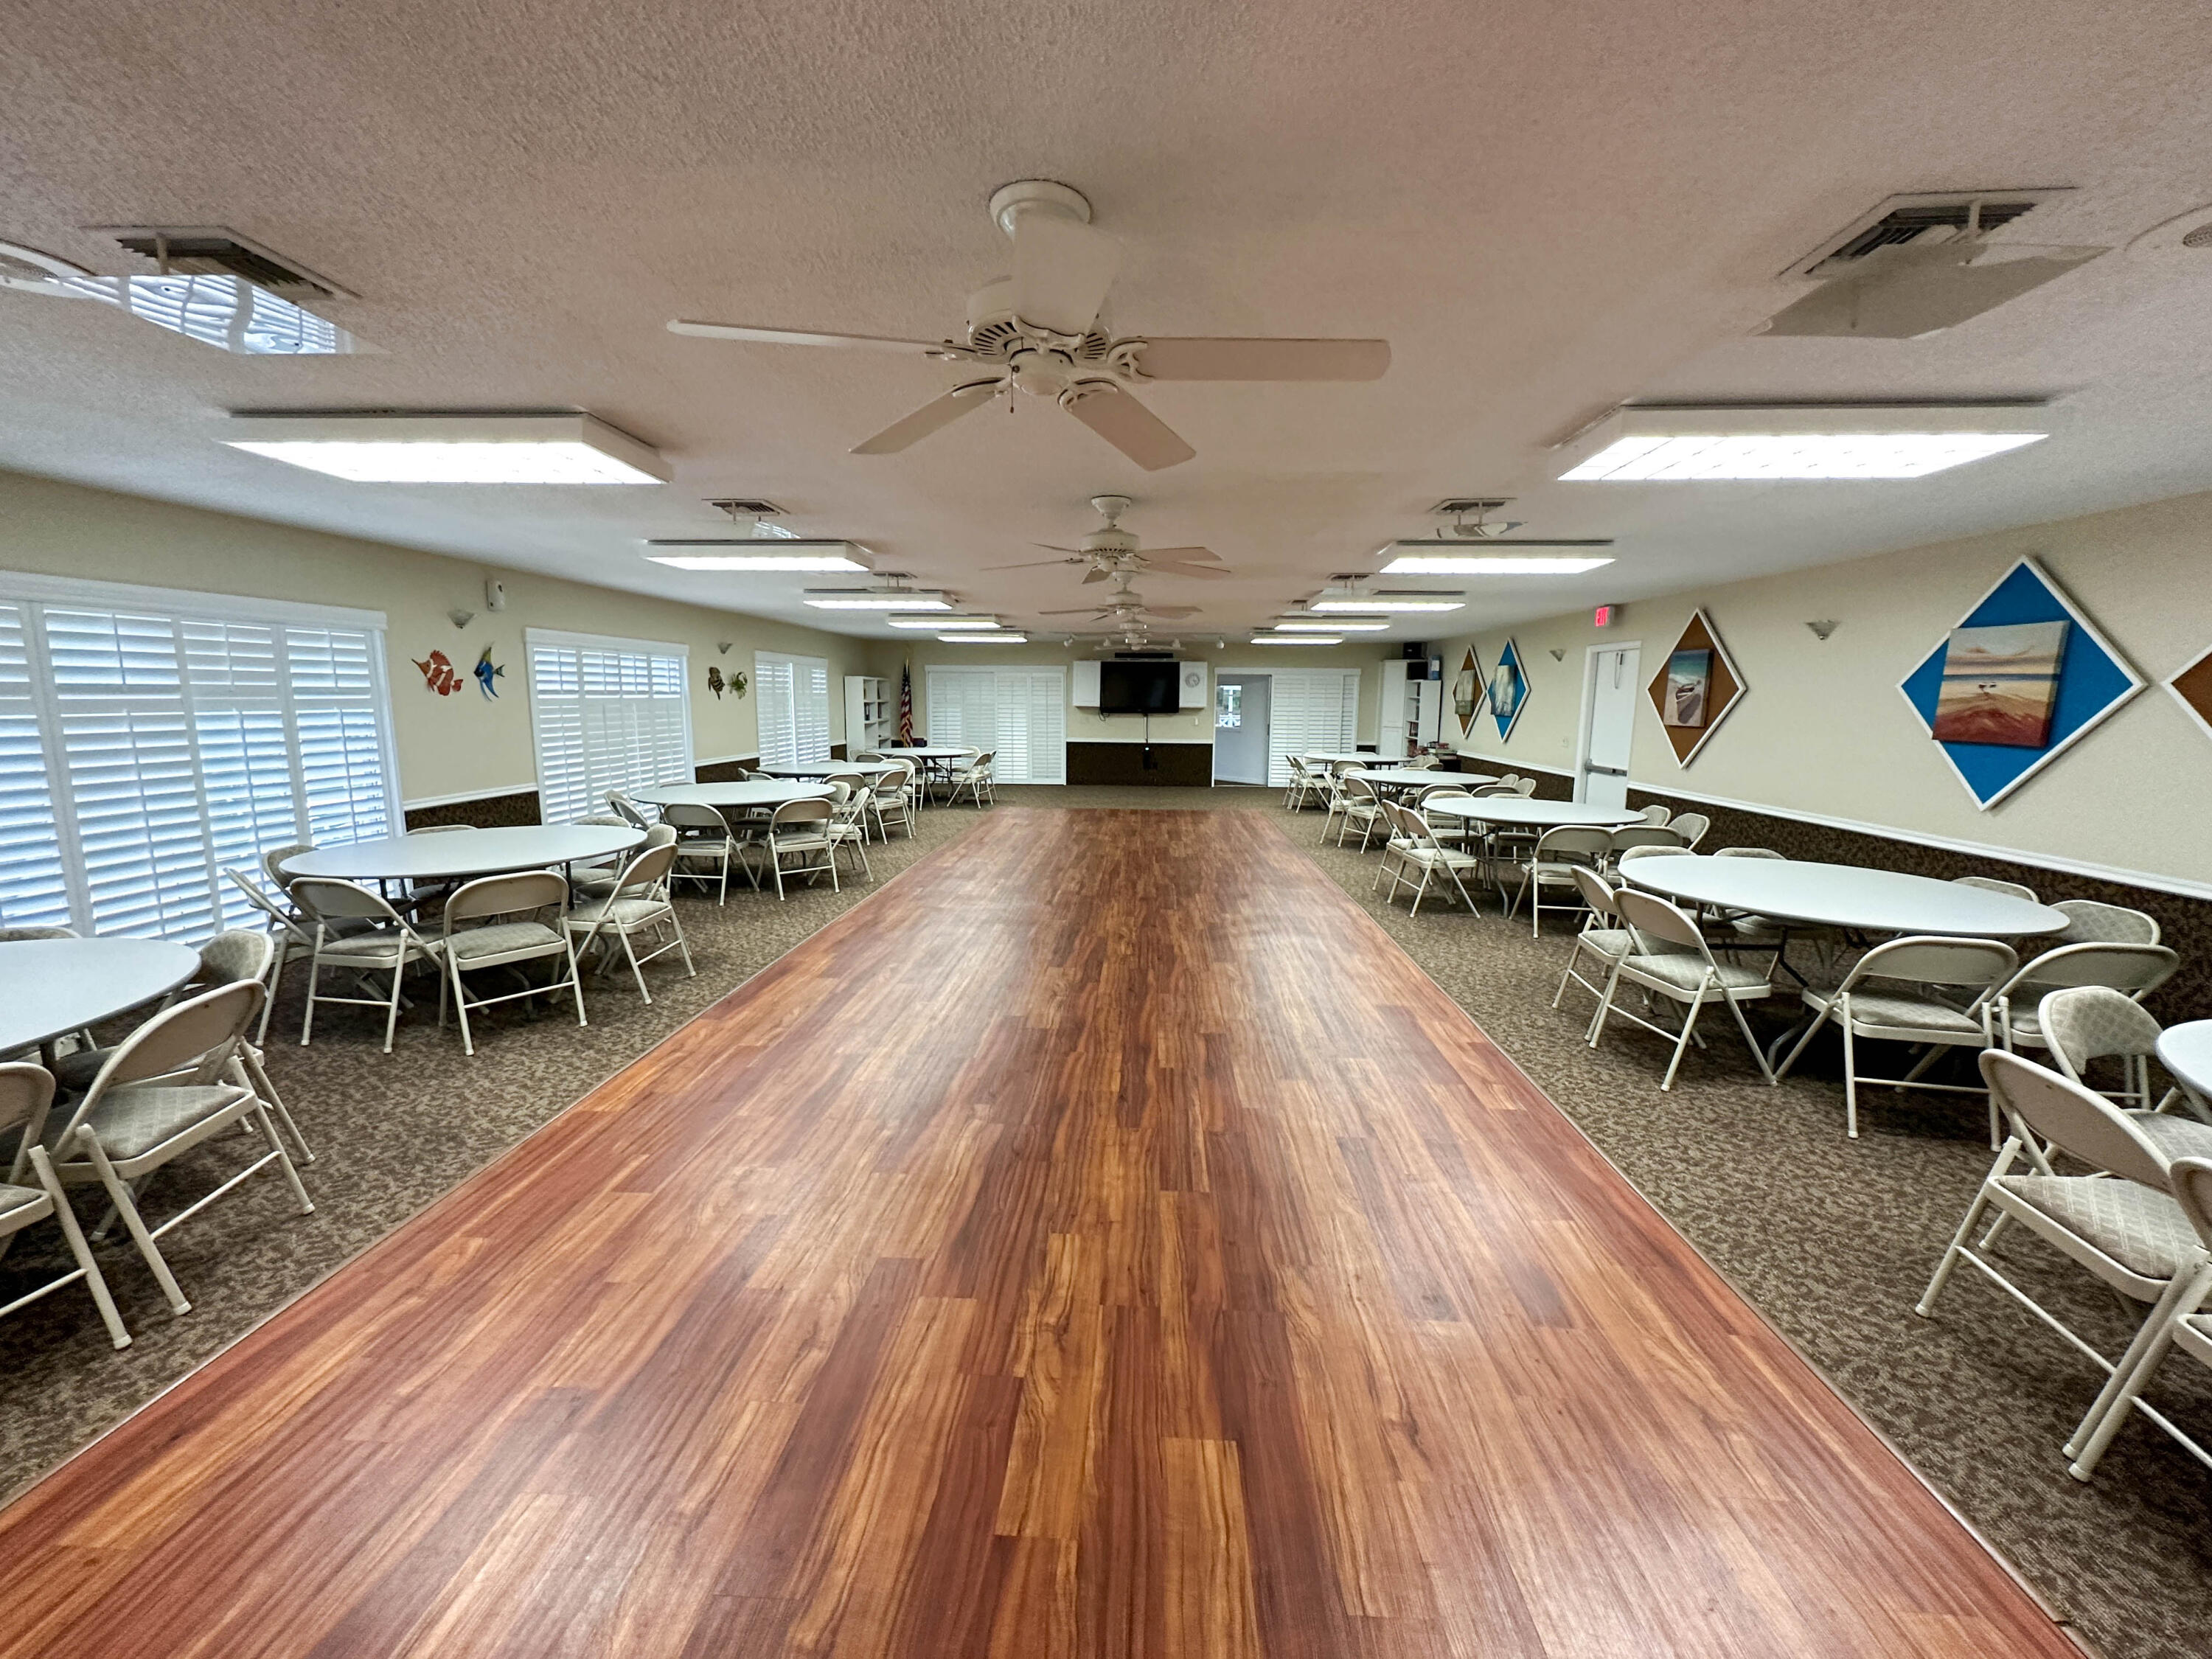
(1831, 1240)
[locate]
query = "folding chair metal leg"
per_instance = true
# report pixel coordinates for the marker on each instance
(1689, 1025)
(2108, 1414)
(118, 1195)
(256, 1079)
(1850, 1084)
(80, 1252)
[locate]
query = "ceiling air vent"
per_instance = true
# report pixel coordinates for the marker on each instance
(1905, 220)
(213, 251)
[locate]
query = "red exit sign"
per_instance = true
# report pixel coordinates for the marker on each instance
(1604, 615)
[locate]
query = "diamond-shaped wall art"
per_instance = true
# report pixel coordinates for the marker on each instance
(1507, 691)
(1695, 688)
(2001, 682)
(2192, 687)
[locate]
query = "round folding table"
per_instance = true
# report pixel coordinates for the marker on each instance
(50, 987)
(2185, 1050)
(741, 796)
(459, 854)
(1844, 896)
(1519, 812)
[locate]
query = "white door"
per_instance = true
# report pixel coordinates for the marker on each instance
(1240, 728)
(1611, 715)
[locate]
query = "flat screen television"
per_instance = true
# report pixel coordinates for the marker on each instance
(1137, 688)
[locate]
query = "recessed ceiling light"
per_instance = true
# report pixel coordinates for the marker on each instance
(966, 624)
(1331, 625)
(780, 554)
(1494, 564)
(1297, 638)
(1669, 446)
(478, 449)
(1004, 636)
(1406, 601)
(878, 598)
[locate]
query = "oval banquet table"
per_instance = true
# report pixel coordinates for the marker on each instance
(1844, 896)
(732, 797)
(51, 986)
(1519, 812)
(869, 769)
(462, 853)
(2185, 1050)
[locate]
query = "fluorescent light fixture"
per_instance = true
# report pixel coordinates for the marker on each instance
(1669, 446)
(227, 312)
(1403, 601)
(478, 449)
(781, 554)
(1329, 625)
(1004, 636)
(1297, 638)
(875, 598)
(1523, 557)
(965, 624)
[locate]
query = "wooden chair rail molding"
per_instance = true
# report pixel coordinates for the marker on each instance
(1102, 1241)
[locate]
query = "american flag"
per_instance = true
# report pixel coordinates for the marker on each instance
(906, 703)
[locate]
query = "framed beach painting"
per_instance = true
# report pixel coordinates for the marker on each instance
(1689, 689)
(2001, 685)
(1695, 688)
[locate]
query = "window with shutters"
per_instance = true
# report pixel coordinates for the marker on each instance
(608, 714)
(1020, 713)
(792, 696)
(149, 739)
(1309, 708)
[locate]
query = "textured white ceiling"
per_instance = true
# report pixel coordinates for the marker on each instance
(1546, 208)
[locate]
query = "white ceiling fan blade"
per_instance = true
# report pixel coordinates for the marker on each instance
(1054, 547)
(800, 337)
(1262, 359)
(942, 411)
(1186, 555)
(1078, 610)
(1098, 574)
(1171, 611)
(1126, 424)
(1032, 564)
(1174, 567)
(1062, 268)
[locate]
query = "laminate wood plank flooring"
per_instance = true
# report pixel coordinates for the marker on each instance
(1102, 1243)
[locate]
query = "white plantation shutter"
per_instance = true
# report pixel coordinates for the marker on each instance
(607, 715)
(792, 695)
(1019, 712)
(148, 741)
(1310, 708)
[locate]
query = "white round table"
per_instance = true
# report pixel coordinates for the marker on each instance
(49, 987)
(463, 852)
(733, 797)
(2185, 1050)
(936, 752)
(869, 769)
(1844, 896)
(1416, 777)
(1341, 757)
(1519, 812)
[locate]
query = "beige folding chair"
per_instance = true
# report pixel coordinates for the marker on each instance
(1641, 835)
(1991, 885)
(1691, 826)
(1356, 801)
(272, 863)
(2088, 922)
(2136, 970)
(1418, 849)
(1304, 785)
(628, 809)
(890, 799)
(509, 911)
(849, 822)
(1551, 863)
(25, 1093)
(2085, 1023)
(168, 1087)
(2124, 1228)
(703, 837)
(1887, 996)
(1657, 814)
(975, 778)
(799, 830)
(359, 932)
(2184, 1326)
(1603, 940)
(637, 903)
(1672, 960)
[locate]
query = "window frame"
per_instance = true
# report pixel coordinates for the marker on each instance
(557, 639)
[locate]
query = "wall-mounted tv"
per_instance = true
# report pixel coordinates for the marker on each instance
(1137, 688)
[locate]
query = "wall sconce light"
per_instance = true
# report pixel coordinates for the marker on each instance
(722, 646)
(1821, 629)
(460, 618)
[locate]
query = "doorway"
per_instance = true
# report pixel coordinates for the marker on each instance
(1240, 728)
(1609, 725)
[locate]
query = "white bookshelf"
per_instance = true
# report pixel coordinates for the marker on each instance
(1412, 708)
(871, 718)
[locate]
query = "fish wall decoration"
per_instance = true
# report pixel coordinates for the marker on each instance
(439, 673)
(486, 672)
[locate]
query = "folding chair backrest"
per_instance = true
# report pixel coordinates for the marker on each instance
(661, 835)
(325, 898)
(1491, 791)
(1660, 924)
(1982, 964)
(2072, 1118)
(2134, 969)
(1991, 885)
(1635, 853)
(2088, 922)
(267, 907)
(688, 818)
(1746, 853)
(26, 1092)
(626, 809)
(1597, 892)
(799, 815)
(2084, 1023)
(1428, 790)
(607, 821)
(272, 863)
(1524, 786)
(1691, 826)
(440, 829)
(1572, 843)
(238, 954)
(2191, 1182)
(1657, 814)
(18, 935)
(505, 896)
(1355, 784)
(850, 780)
(648, 865)
(1643, 834)
(193, 1037)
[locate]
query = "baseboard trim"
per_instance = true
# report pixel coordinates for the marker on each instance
(2180, 886)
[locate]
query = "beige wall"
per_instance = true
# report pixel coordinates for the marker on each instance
(1088, 724)
(458, 745)
(1824, 730)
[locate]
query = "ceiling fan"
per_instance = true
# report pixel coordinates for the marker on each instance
(1110, 549)
(1123, 608)
(1036, 332)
